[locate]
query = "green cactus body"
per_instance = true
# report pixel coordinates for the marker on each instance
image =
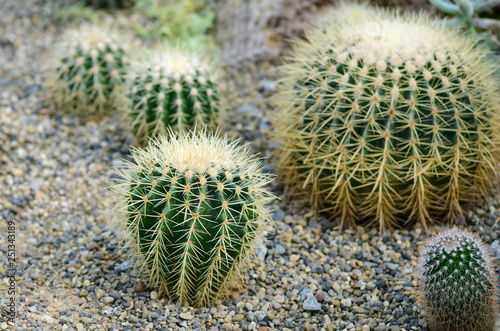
(91, 65)
(385, 117)
(174, 90)
(193, 211)
(457, 283)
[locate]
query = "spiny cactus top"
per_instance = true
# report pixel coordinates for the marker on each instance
(385, 117)
(174, 89)
(90, 63)
(458, 283)
(192, 209)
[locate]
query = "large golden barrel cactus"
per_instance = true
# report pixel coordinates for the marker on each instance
(387, 117)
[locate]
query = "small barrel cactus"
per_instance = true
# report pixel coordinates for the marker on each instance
(385, 117)
(458, 283)
(192, 208)
(90, 64)
(173, 89)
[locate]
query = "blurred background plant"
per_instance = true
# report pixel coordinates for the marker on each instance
(76, 12)
(480, 17)
(190, 22)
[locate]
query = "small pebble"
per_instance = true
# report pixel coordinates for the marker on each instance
(107, 300)
(186, 316)
(99, 293)
(320, 296)
(311, 304)
(139, 287)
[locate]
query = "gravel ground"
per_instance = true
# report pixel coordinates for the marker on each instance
(54, 174)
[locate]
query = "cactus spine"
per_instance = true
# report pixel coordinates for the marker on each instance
(385, 117)
(91, 63)
(458, 283)
(172, 89)
(192, 208)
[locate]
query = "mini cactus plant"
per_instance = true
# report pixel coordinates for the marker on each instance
(457, 283)
(90, 64)
(387, 117)
(172, 89)
(192, 207)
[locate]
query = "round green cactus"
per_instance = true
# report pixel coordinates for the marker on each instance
(192, 209)
(91, 63)
(172, 89)
(458, 283)
(385, 117)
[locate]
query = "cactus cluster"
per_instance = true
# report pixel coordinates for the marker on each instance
(386, 117)
(172, 89)
(382, 117)
(192, 208)
(458, 283)
(91, 64)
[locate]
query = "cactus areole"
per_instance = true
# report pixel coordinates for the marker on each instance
(458, 283)
(192, 209)
(384, 118)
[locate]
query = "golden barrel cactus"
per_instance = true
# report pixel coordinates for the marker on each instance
(192, 208)
(387, 117)
(89, 63)
(172, 88)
